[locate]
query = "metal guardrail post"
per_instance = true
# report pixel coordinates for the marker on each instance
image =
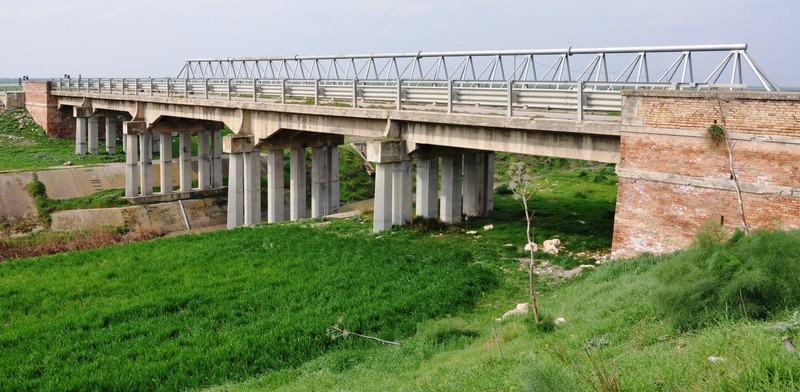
(136, 85)
(229, 89)
(510, 98)
(283, 91)
(151, 86)
(205, 87)
(255, 90)
(450, 96)
(186, 88)
(399, 94)
(580, 87)
(168, 89)
(355, 93)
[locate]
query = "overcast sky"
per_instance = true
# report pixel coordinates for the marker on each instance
(48, 38)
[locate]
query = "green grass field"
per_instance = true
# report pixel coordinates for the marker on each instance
(24, 146)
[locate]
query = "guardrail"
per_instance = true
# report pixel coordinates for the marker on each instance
(508, 96)
(6, 87)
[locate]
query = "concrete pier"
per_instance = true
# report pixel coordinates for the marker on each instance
(478, 183)
(428, 187)
(252, 188)
(94, 131)
(450, 200)
(111, 135)
(275, 202)
(131, 164)
(401, 193)
(383, 198)
(320, 193)
(185, 161)
(81, 129)
(146, 163)
(165, 159)
(216, 159)
(203, 161)
(235, 190)
(392, 184)
(297, 184)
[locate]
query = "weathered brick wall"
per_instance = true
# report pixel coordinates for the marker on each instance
(44, 109)
(674, 179)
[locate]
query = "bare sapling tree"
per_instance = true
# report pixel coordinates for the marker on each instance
(522, 187)
(720, 135)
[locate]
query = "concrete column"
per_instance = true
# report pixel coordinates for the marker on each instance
(131, 165)
(203, 161)
(252, 188)
(451, 190)
(235, 190)
(81, 125)
(111, 135)
(382, 217)
(401, 193)
(428, 187)
(94, 130)
(333, 179)
(146, 163)
(320, 193)
(216, 159)
(275, 186)
(473, 197)
(297, 184)
(156, 143)
(185, 161)
(488, 183)
(166, 162)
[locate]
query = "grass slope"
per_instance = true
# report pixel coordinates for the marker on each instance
(201, 310)
(25, 146)
(613, 339)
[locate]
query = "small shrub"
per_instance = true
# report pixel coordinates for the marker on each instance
(738, 277)
(503, 190)
(546, 323)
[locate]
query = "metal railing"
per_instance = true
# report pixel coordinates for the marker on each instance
(451, 95)
(6, 87)
(673, 64)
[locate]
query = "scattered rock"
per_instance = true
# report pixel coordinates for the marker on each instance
(472, 232)
(555, 271)
(68, 163)
(520, 309)
(320, 224)
(509, 245)
(551, 246)
(716, 359)
(559, 321)
(530, 246)
(488, 227)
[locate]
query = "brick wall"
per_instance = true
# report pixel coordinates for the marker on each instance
(674, 179)
(44, 109)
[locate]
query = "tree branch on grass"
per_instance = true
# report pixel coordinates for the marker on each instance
(336, 332)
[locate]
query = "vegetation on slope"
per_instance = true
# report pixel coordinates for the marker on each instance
(199, 310)
(25, 146)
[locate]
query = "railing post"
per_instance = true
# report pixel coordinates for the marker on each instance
(205, 87)
(581, 85)
(151, 86)
(355, 93)
(316, 92)
(255, 91)
(229, 89)
(186, 88)
(168, 92)
(110, 86)
(510, 98)
(450, 96)
(283, 91)
(399, 94)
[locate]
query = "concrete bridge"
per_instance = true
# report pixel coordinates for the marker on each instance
(445, 125)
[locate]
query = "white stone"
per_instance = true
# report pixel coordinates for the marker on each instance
(530, 246)
(488, 227)
(551, 246)
(559, 321)
(520, 309)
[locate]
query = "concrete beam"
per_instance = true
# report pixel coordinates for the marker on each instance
(386, 151)
(233, 144)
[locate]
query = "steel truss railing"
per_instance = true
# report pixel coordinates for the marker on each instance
(451, 95)
(674, 64)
